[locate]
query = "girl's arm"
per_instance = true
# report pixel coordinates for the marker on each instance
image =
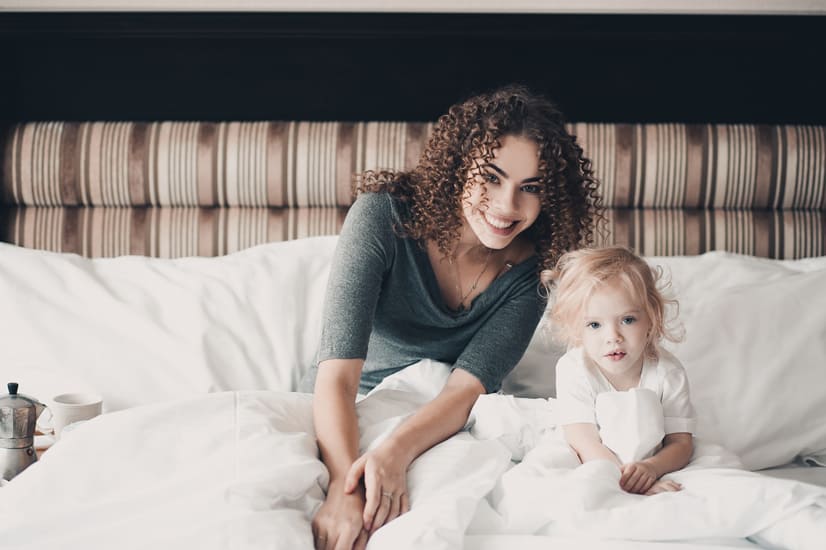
(639, 477)
(585, 441)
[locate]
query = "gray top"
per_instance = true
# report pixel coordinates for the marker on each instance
(383, 305)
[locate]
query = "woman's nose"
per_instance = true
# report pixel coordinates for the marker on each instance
(506, 200)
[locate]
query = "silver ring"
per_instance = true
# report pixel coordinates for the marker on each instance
(387, 494)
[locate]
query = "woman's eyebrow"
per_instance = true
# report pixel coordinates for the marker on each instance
(505, 174)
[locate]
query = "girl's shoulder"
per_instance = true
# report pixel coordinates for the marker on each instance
(667, 370)
(668, 362)
(572, 362)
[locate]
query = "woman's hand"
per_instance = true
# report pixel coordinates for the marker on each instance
(384, 471)
(338, 523)
(638, 477)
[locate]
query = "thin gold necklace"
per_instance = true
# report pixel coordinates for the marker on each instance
(463, 296)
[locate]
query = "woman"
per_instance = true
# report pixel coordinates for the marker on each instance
(442, 263)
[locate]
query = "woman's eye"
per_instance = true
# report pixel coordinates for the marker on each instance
(592, 325)
(532, 189)
(490, 177)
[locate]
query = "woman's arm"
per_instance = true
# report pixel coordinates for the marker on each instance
(334, 414)
(639, 477)
(439, 419)
(338, 523)
(384, 469)
(585, 441)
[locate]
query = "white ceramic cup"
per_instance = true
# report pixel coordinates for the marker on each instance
(68, 408)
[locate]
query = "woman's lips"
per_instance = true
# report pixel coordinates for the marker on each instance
(500, 226)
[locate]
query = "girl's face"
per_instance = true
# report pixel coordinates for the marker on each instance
(615, 331)
(504, 197)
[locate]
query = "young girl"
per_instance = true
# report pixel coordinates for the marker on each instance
(620, 396)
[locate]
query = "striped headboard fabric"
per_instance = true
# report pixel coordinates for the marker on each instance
(201, 188)
(299, 164)
(189, 231)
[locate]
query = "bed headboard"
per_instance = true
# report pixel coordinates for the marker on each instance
(176, 188)
(697, 145)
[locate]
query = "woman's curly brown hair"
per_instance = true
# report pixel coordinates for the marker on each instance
(434, 190)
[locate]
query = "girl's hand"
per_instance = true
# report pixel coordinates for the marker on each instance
(338, 523)
(637, 477)
(385, 485)
(664, 486)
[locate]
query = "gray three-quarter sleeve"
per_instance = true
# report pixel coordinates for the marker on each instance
(363, 253)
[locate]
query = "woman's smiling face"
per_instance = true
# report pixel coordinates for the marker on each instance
(503, 197)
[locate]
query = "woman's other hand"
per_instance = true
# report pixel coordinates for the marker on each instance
(338, 524)
(384, 471)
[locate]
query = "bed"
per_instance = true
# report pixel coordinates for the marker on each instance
(178, 269)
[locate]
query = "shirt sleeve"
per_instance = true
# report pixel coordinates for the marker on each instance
(677, 408)
(363, 255)
(501, 341)
(575, 396)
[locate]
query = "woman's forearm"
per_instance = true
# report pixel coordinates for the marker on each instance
(439, 419)
(334, 414)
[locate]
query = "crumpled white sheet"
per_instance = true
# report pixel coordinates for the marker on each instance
(236, 470)
(239, 470)
(550, 492)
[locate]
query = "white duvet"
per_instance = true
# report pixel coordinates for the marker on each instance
(239, 470)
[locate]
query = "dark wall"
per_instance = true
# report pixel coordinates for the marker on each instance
(610, 68)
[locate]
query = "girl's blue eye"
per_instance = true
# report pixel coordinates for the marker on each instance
(593, 325)
(628, 320)
(531, 188)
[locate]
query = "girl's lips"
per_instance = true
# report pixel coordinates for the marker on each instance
(615, 355)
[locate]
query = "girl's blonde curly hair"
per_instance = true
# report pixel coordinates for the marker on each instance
(471, 131)
(579, 273)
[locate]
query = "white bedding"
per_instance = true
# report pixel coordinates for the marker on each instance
(176, 467)
(143, 330)
(240, 470)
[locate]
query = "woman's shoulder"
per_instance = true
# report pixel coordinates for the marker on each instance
(378, 204)
(380, 199)
(371, 209)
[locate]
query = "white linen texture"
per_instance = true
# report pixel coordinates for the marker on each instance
(142, 330)
(239, 470)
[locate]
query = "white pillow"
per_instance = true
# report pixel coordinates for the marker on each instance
(534, 375)
(140, 330)
(755, 352)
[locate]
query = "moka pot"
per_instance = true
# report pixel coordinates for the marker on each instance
(18, 415)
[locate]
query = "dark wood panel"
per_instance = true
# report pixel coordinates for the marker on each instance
(247, 66)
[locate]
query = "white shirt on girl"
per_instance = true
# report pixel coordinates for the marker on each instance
(631, 423)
